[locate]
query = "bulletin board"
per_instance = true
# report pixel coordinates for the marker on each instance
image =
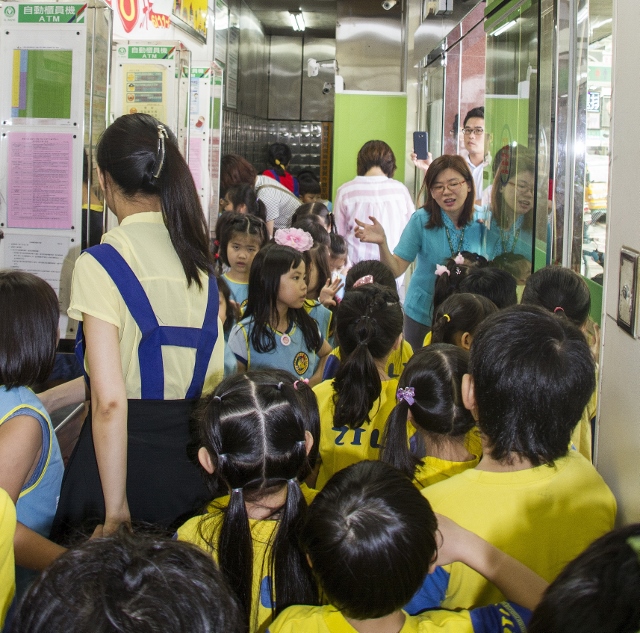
(43, 61)
(361, 117)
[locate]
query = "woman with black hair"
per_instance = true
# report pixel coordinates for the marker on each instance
(147, 300)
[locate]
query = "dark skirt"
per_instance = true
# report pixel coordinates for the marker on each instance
(164, 484)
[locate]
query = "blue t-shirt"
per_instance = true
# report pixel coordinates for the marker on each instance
(239, 292)
(511, 240)
(431, 247)
(290, 353)
(38, 498)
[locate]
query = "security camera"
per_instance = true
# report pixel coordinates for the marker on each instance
(389, 4)
(326, 89)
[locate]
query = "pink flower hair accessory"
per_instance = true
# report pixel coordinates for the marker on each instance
(440, 270)
(459, 259)
(295, 238)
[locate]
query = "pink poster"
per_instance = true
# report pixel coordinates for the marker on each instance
(195, 161)
(40, 181)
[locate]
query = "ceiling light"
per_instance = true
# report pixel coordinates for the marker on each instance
(504, 27)
(297, 21)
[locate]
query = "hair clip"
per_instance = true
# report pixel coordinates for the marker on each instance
(278, 163)
(447, 317)
(216, 255)
(459, 259)
(363, 281)
(162, 135)
(441, 270)
(217, 399)
(407, 394)
(558, 308)
(304, 380)
(279, 386)
(295, 238)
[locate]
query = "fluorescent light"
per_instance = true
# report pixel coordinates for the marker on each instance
(297, 21)
(504, 27)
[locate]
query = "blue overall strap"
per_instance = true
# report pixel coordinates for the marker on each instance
(296, 187)
(154, 336)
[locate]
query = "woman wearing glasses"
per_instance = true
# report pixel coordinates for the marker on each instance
(512, 197)
(441, 229)
(148, 302)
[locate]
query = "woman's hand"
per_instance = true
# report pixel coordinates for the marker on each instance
(328, 293)
(421, 164)
(370, 233)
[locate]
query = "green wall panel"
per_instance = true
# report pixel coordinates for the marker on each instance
(360, 118)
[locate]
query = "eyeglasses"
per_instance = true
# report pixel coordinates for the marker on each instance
(468, 131)
(521, 187)
(452, 185)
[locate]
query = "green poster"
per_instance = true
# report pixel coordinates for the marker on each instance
(41, 85)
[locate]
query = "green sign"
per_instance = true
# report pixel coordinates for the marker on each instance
(151, 52)
(50, 13)
(200, 73)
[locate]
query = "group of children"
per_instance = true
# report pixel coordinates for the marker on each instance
(356, 484)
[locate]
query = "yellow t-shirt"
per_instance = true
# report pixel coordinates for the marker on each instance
(341, 446)
(7, 562)
(581, 438)
(143, 241)
(203, 531)
(542, 516)
(328, 620)
(397, 359)
(433, 469)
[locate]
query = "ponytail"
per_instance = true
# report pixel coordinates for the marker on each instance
(235, 550)
(296, 585)
(368, 323)
(352, 406)
(395, 443)
(141, 156)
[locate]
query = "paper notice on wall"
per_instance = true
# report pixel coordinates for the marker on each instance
(40, 181)
(195, 160)
(41, 255)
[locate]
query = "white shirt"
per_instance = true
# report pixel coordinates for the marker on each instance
(477, 172)
(281, 204)
(385, 199)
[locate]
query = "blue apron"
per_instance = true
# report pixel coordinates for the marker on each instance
(164, 485)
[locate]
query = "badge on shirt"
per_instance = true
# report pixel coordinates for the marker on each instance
(285, 339)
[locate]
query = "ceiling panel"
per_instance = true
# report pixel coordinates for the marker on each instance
(319, 16)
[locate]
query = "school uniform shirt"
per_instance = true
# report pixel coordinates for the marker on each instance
(544, 517)
(7, 562)
(143, 241)
(395, 363)
(341, 446)
(581, 439)
(290, 352)
(204, 531)
(385, 199)
(503, 618)
(281, 204)
(36, 506)
(430, 247)
(433, 469)
(321, 315)
(239, 291)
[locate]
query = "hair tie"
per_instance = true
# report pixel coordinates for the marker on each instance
(236, 490)
(295, 383)
(558, 308)
(216, 242)
(295, 238)
(216, 256)
(292, 481)
(447, 317)
(407, 394)
(363, 281)
(279, 386)
(459, 259)
(162, 134)
(440, 270)
(278, 163)
(217, 399)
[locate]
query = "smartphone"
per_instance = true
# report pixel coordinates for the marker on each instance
(421, 145)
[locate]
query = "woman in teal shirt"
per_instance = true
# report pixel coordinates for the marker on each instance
(441, 229)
